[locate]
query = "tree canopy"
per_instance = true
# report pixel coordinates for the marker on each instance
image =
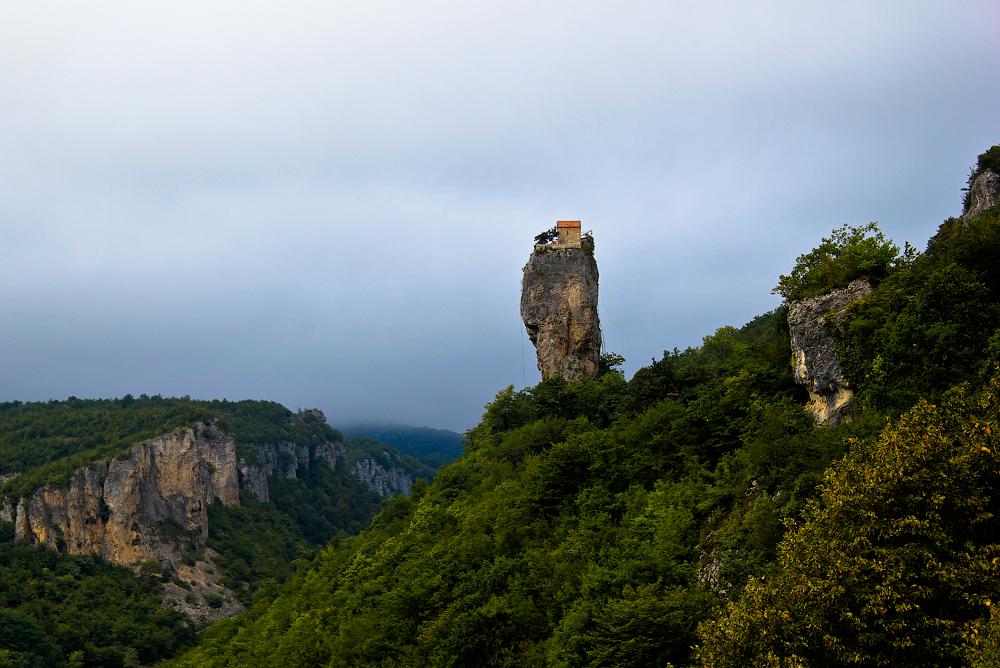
(847, 254)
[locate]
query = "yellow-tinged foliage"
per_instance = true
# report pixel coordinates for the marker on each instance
(893, 563)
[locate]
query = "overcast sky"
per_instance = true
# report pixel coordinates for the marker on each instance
(329, 204)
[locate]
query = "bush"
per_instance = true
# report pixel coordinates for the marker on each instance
(847, 254)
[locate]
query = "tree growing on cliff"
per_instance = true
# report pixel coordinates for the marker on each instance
(548, 236)
(847, 254)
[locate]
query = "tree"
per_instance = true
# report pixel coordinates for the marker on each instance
(547, 236)
(847, 254)
(897, 561)
(609, 362)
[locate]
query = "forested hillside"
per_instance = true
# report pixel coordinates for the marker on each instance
(435, 447)
(695, 513)
(80, 610)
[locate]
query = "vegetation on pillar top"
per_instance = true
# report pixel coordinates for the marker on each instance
(565, 234)
(548, 236)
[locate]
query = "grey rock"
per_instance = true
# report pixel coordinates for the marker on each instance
(151, 505)
(285, 460)
(381, 480)
(6, 511)
(814, 357)
(203, 584)
(130, 509)
(559, 309)
(984, 194)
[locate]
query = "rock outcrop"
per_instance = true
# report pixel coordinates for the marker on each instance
(131, 509)
(384, 481)
(148, 509)
(984, 194)
(559, 309)
(282, 459)
(814, 357)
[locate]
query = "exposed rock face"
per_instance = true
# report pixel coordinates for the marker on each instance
(205, 583)
(559, 309)
(7, 508)
(814, 357)
(984, 194)
(285, 460)
(149, 508)
(130, 510)
(381, 480)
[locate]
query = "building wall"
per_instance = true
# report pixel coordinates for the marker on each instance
(569, 236)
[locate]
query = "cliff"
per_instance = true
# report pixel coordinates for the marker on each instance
(148, 508)
(814, 357)
(384, 481)
(984, 193)
(559, 309)
(264, 461)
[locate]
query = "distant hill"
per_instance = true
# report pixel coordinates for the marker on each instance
(434, 447)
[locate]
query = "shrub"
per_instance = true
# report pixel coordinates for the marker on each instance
(847, 254)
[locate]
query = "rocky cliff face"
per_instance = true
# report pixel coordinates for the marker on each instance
(129, 510)
(149, 508)
(146, 509)
(384, 481)
(814, 357)
(559, 309)
(984, 193)
(284, 460)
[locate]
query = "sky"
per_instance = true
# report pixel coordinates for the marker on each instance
(329, 204)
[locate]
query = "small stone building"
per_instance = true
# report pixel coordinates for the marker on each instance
(569, 233)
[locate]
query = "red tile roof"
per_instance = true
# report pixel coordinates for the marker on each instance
(568, 223)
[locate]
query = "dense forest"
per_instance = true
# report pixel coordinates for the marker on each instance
(695, 513)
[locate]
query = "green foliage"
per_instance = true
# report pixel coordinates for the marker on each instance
(45, 442)
(568, 533)
(547, 236)
(609, 362)
(930, 324)
(603, 522)
(79, 610)
(433, 447)
(989, 159)
(847, 254)
(258, 543)
(358, 448)
(600, 522)
(895, 562)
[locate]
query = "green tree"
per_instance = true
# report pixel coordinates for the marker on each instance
(547, 236)
(847, 254)
(895, 563)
